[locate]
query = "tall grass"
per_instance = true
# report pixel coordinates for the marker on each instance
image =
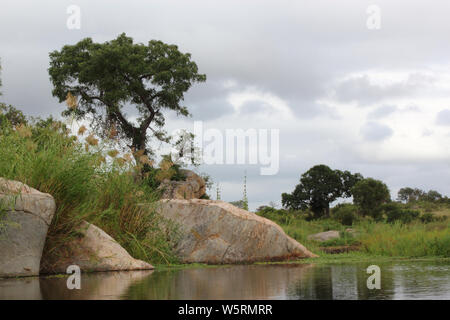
(406, 240)
(398, 239)
(85, 187)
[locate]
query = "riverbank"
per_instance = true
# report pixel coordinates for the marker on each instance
(414, 239)
(342, 258)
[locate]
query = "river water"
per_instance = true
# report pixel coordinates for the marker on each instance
(399, 280)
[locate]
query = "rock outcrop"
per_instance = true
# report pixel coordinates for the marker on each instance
(217, 232)
(193, 187)
(25, 215)
(324, 236)
(94, 250)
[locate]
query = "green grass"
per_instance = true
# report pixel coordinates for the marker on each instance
(355, 257)
(411, 240)
(406, 240)
(85, 187)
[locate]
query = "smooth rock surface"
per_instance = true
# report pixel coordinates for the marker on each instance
(193, 187)
(96, 251)
(27, 214)
(217, 232)
(324, 236)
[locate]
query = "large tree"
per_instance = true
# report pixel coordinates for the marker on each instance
(369, 195)
(318, 187)
(105, 78)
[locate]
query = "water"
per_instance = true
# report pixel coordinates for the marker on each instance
(405, 280)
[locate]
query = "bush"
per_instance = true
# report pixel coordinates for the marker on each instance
(343, 241)
(345, 213)
(369, 195)
(394, 212)
(427, 218)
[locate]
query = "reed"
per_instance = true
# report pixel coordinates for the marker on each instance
(86, 184)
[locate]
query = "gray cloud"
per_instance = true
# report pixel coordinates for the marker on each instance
(373, 131)
(382, 112)
(443, 118)
(255, 107)
(208, 106)
(359, 89)
(296, 50)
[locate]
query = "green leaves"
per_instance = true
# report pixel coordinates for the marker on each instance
(107, 77)
(369, 195)
(319, 186)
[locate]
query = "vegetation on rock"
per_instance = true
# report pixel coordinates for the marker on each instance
(87, 184)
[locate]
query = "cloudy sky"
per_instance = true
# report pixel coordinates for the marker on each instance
(374, 101)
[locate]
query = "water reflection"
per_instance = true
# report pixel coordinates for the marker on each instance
(94, 286)
(236, 282)
(408, 280)
(20, 289)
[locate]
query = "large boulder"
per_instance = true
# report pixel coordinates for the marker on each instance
(25, 215)
(194, 187)
(93, 250)
(217, 232)
(324, 236)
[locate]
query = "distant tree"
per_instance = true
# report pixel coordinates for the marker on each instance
(104, 78)
(262, 208)
(273, 204)
(11, 115)
(405, 194)
(410, 195)
(238, 203)
(369, 195)
(433, 195)
(318, 187)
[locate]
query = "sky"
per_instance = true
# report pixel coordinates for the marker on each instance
(341, 93)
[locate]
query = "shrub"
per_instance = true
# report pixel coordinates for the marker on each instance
(343, 241)
(427, 218)
(369, 195)
(394, 212)
(345, 213)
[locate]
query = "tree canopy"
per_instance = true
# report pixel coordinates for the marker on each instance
(318, 187)
(408, 194)
(369, 195)
(11, 115)
(105, 78)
